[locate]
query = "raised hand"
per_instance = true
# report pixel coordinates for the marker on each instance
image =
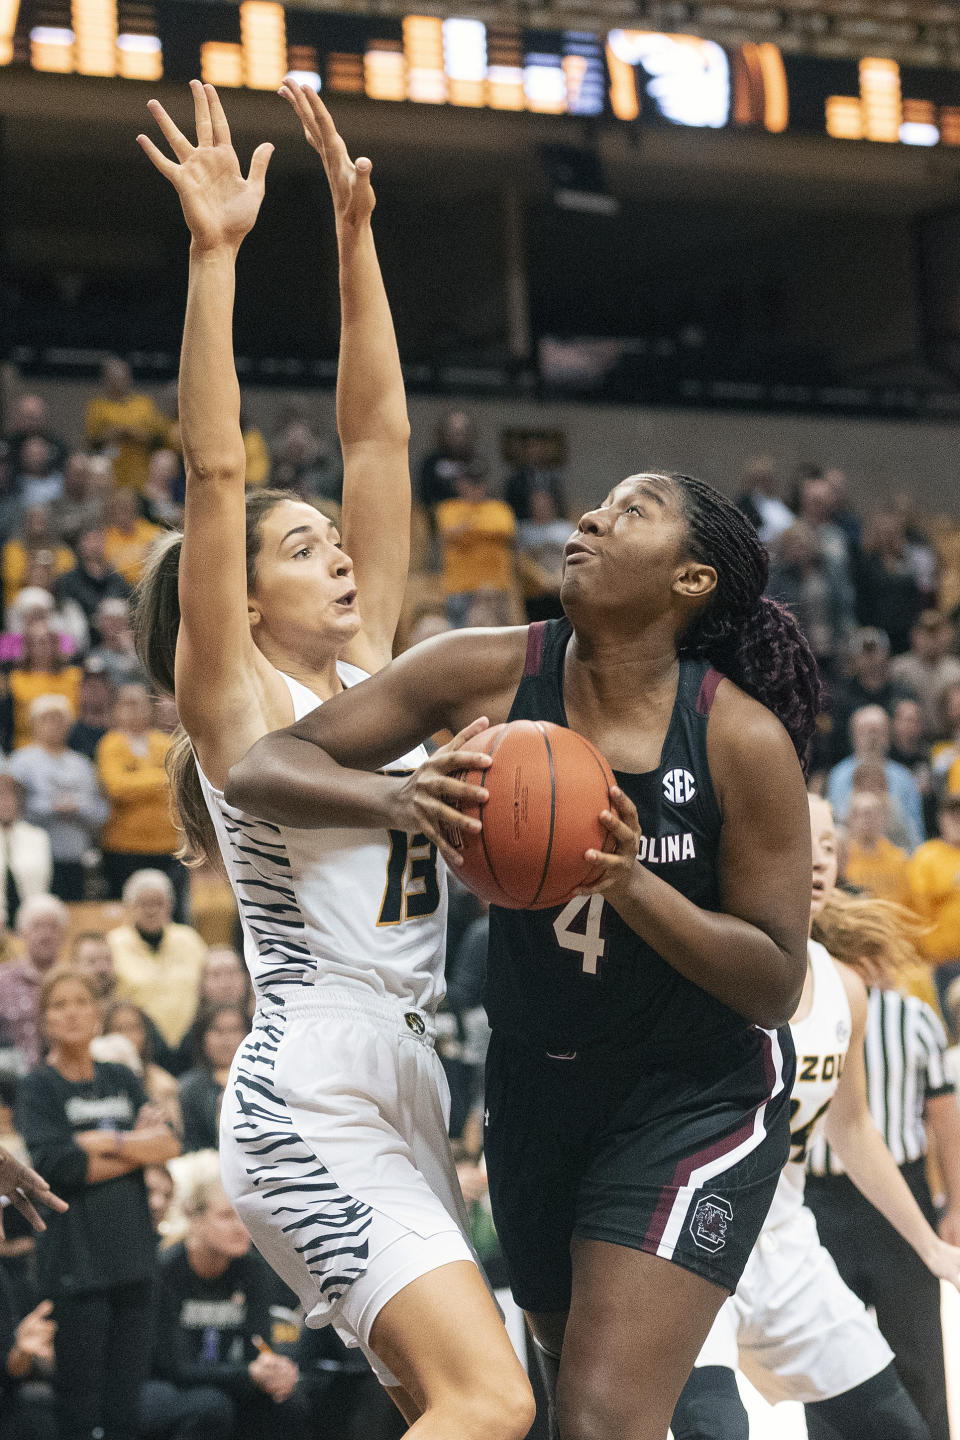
(349, 181)
(20, 1187)
(219, 205)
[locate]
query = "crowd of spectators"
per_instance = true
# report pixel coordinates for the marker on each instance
(95, 907)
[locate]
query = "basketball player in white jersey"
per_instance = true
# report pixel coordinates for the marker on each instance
(792, 1325)
(333, 1139)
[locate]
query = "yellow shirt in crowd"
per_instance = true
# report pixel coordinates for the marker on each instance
(28, 685)
(163, 982)
(136, 413)
(126, 550)
(881, 871)
(139, 791)
(257, 456)
(933, 875)
(16, 561)
(481, 557)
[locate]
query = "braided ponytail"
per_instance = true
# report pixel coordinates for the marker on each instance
(751, 639)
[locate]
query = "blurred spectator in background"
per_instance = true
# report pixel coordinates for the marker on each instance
(213, 1306)
(802, 579)
(29, 420)
(760, 502)
(26, 1361)
(78, 507)
(870, 736)
(158, 963)
(477, 536)
(160, 1190)
(89, 1125)
(126, 1019)
(909, 749)
(98, 698)
(427, 624)
(538, 472)
(42, 922)
(25, 854)
(63, 793)
(201, 1088)
(933, 876)
(38, 532)
(841, 512)
(39, 479)
(815, 502)
(163, 505)
(540, 542)
(928, 667)
(130, 762)
(125, 425)
(35, 602)
(306, 462)
(40, 672)
(455, 457)
(946, 756)
(128, 536)
(90, 953)
(870, 778)
(872, 863)
(116, 650)
(256, 453)
(92, 580)
(224, 980)
(888, 595)
(869, 682)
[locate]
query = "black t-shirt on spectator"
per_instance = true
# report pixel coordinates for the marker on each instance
(85, 738)
(105, 1238)
(88, 590)
(205, 1327)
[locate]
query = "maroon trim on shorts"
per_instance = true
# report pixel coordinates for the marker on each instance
(685, 1169)
(708, 690)
(536, 634)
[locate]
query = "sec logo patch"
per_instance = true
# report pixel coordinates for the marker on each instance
(679, 786)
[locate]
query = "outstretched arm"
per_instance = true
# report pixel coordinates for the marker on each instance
(223, 685)
(371, 404)
(852, 1133)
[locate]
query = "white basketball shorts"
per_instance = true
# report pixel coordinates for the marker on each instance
(792, 1326)
(334, 1152)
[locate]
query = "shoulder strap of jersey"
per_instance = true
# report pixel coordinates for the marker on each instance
(536, 634)
(708, 690)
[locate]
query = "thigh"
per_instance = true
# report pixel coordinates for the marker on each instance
(442, 1336)
(635, 1328)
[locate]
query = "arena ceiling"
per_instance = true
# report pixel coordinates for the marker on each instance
(915, 32)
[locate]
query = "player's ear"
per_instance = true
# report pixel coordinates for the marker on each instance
(694, 580)
(254, 615)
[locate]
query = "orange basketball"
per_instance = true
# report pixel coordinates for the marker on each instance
(547, 787)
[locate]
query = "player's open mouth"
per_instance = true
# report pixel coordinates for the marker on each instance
(576, 550)
(347, 600)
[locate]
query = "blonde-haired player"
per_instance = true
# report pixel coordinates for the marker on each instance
(792, 1325)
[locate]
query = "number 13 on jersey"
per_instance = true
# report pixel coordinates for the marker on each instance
(589, 941)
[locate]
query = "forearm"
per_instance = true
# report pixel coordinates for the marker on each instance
(943, 1127)
(871, 1167)
(371, 403)
(291, 782)
(209, 394)
(732, 960)
(148, 1147)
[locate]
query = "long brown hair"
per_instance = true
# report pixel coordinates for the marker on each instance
(156, 624)
(876, 938)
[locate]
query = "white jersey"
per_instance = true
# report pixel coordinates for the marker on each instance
(792, 1326)
(362, 909)
(821, 1041)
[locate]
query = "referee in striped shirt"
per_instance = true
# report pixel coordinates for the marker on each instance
(910, 1097)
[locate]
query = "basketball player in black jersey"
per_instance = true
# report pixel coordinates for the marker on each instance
(640, 1068)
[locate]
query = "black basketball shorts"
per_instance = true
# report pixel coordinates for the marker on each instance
(657, 1160)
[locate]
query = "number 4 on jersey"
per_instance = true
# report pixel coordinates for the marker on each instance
(589, 942)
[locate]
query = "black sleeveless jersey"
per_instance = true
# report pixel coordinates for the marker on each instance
(576, 977)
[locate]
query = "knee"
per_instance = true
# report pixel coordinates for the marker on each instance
(596, 1410)
(506, 1412)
